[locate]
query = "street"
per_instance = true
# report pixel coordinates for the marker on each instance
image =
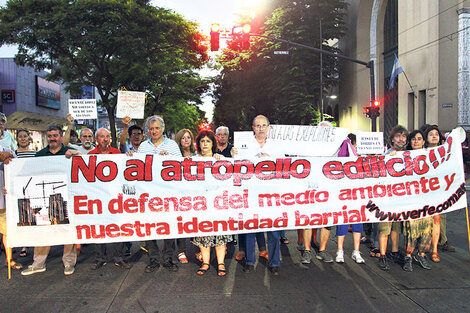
(317, 287)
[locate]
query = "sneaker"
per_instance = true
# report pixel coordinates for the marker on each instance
(32, 270)
(122, 264)
(383, 264)
(306, 257)
(423, 261)
(408, 266)
(356, 256)
(324, 256)
(169, 265)
(446, 247)
(69, 270)
(152, 266)
(98, 264)
(300, 247)
(339, 256)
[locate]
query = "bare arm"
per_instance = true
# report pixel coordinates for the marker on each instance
(66, 139)
(122, 140)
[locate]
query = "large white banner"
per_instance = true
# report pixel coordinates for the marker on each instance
(109, 198)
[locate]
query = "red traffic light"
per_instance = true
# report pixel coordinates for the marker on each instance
(215, 35)
(376, 103)
(367, 111)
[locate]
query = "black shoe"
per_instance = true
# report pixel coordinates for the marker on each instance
(169, 265)
(408, 265)
(248, 268)
(152, 266)
(127, 252)
(98, 264)
(423, 261)
(122, 264)
(275, 270)
(395, 257)
(383, 264)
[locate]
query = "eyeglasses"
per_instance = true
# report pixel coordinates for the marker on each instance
(261, 126)
(222, 135)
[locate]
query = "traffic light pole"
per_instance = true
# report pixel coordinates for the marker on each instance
(370, 65)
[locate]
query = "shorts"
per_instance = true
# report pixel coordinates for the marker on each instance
(386, 227)
(342, 230)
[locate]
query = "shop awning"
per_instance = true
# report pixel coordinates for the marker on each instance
(33, 121)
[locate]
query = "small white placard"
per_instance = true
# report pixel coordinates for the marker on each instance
(130, 103)
(370, 143)
(83, 109)
(242, 141)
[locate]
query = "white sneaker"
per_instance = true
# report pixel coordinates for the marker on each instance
(356, 256)
(340, 256)
(69, 270)
(33, 270)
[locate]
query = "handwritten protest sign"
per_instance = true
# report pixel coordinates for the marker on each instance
(130, 103)
(301, 140)
(112, 198)
(369, 142)
(83, 108)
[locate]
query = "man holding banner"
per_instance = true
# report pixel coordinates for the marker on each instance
(398, 140)
(55, 147)
(264, 148)
(103, 140)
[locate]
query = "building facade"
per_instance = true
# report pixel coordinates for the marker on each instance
(430, 39)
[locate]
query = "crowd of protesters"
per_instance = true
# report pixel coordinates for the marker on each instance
(427, 235)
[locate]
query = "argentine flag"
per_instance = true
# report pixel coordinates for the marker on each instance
(397, 69)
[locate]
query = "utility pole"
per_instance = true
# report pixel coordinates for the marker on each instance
(321, 74)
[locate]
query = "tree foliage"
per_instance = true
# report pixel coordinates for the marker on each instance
(111, 44)
(285, 88)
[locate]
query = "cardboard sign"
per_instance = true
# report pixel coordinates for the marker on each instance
(370, 143)
(130, 103)
(83, 109)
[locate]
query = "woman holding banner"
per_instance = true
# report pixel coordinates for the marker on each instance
(206, 147)
(417, 232)
(185, 140)
(434, 138)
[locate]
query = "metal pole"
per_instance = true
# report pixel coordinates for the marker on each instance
(321, 74)
(373, 117)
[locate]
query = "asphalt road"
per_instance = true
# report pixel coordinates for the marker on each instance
(317, 287)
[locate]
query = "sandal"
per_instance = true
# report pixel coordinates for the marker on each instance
(374, 253)
(14, 265)
(284, 240)
(201, 271)
(23, 253)
(182, 258)
(435, 257)
(221, 272)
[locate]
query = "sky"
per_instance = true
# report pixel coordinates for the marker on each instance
(203, 12)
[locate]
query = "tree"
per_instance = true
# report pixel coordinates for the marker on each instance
(284, 87)
(109, 44)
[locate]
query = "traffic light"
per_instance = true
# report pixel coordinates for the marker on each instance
(241, 34)
(375, 108)
(215, 34)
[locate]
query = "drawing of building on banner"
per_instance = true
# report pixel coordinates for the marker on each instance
(42, 202)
